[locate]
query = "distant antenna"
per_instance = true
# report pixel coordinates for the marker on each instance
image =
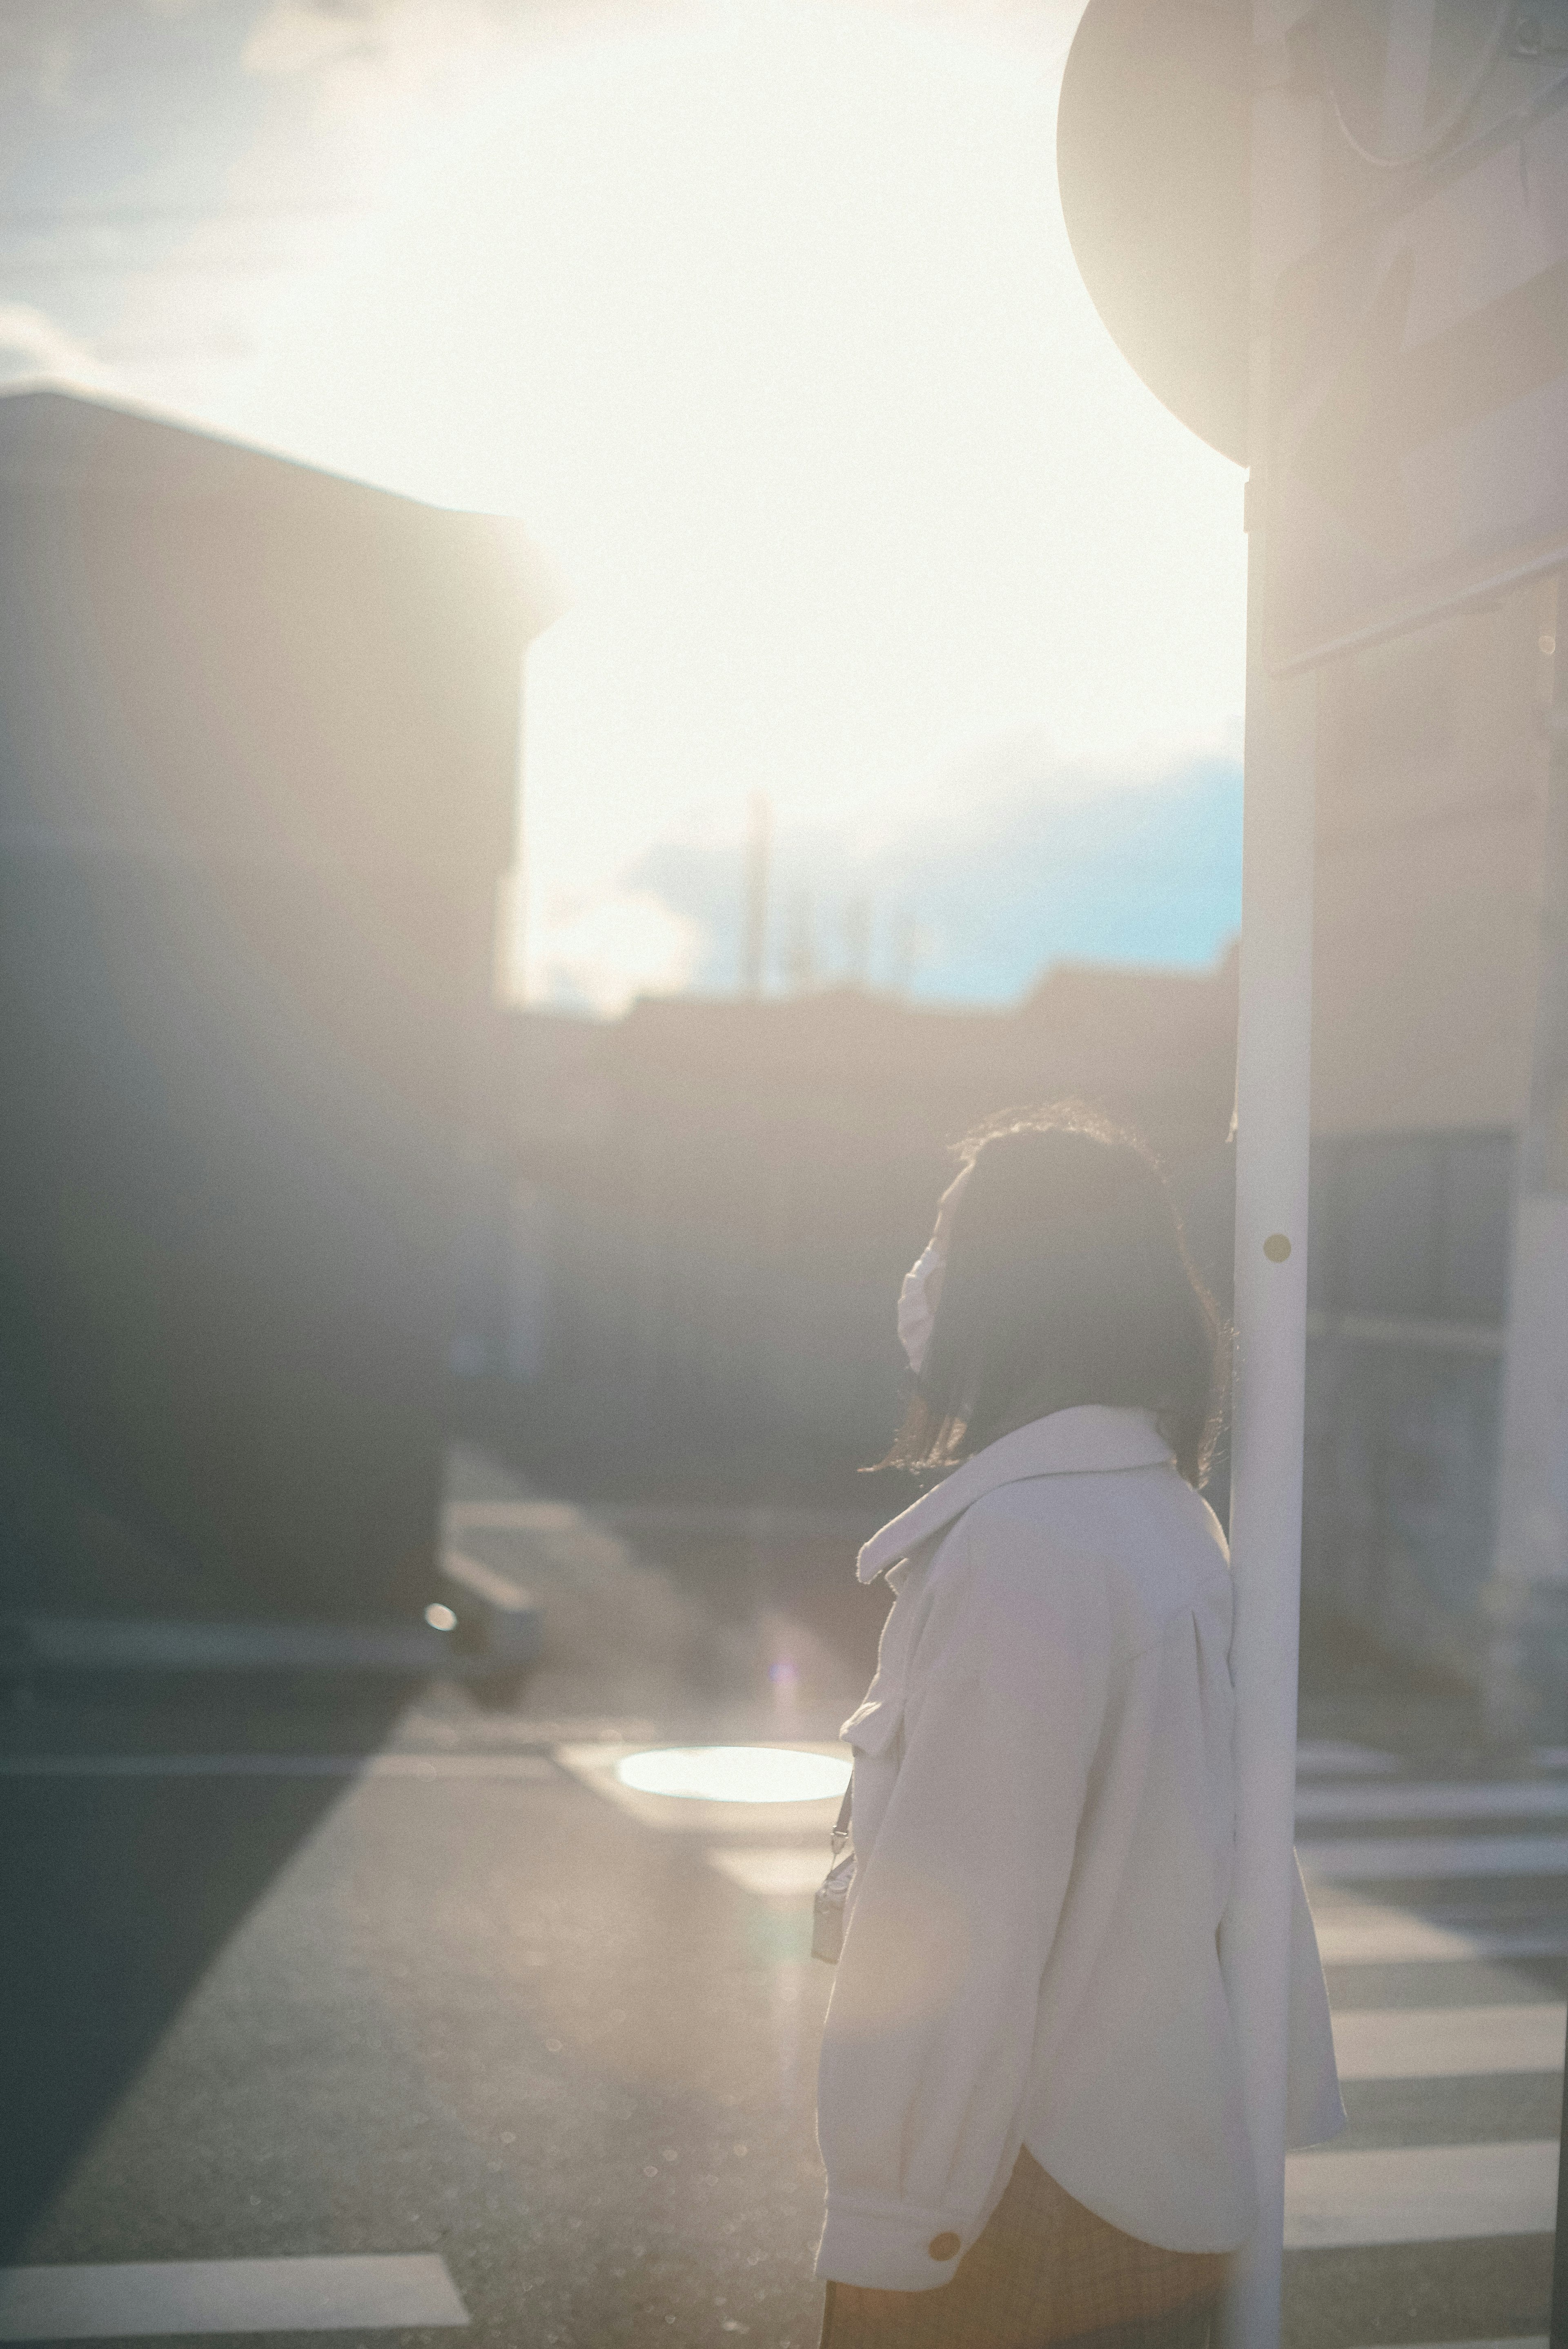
(758, 844)
(858, 941)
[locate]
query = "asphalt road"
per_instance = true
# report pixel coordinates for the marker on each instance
(469, 2005)
(496, 2019)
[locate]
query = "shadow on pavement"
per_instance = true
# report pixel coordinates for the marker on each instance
(120, 1893)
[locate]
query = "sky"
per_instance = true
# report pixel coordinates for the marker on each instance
(761, 315)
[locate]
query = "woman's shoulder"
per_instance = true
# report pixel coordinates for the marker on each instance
(1133, 1547)
(1010, 1553)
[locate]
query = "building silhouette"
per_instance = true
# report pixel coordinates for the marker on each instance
(258, 759)
(709, 1204)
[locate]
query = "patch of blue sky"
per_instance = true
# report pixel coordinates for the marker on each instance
(973, 910)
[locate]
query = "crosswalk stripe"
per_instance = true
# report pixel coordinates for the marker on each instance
(1424, 2193)
(1519, 2341)
(1334, 1756)
(1446, 2043)
(1365, 1859)
(1499, 1800)
(172, 2296)
(1390, 1937)
(1419, 2194)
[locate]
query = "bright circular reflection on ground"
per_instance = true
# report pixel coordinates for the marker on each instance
(736, 1773)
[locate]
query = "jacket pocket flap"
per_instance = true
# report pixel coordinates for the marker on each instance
(872, 1728)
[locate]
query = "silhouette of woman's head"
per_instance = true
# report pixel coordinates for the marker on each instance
(1065, 1280)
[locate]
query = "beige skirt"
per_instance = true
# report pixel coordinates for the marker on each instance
(1044, 2273)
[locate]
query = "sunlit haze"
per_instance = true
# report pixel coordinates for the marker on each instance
(762, 317)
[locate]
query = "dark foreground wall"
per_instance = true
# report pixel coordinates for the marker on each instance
(257, 765)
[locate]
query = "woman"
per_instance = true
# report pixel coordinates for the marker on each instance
(1029, 2102)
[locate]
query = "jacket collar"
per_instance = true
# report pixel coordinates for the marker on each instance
(1090, 1439)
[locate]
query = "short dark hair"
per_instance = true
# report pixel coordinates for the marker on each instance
(1067, 1281)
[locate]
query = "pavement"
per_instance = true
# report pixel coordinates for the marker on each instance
(404, 2019)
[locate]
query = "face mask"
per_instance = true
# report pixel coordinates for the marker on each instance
(917, 1313)
(916, 1305)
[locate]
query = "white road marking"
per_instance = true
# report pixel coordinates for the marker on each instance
(1448, 2043)
(1392, 1937)
(1363, 1859)
(1528, 1798)
(163, 2296)
(763, 1775)
(276, 1765)
(514, 1516)
(681, 1815)
(1419, 2194)
(784, 1870)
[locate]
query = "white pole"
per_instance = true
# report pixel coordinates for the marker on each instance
(1273, 1105)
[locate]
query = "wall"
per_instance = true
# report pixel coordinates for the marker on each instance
(713, 1203)
(1432, 798)
(257, 736)
(1408, 1271)
(1430, 804)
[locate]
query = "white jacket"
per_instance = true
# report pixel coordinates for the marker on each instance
(1043, 1829)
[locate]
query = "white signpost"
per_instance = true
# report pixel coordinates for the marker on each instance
(1273, 1101)
(1406, 417)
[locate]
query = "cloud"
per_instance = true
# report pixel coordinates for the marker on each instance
(356, 59)
(598, 957)
(293, 37)
(32, 343)
(43, 48)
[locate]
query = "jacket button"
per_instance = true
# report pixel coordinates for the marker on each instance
(945, 2247)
